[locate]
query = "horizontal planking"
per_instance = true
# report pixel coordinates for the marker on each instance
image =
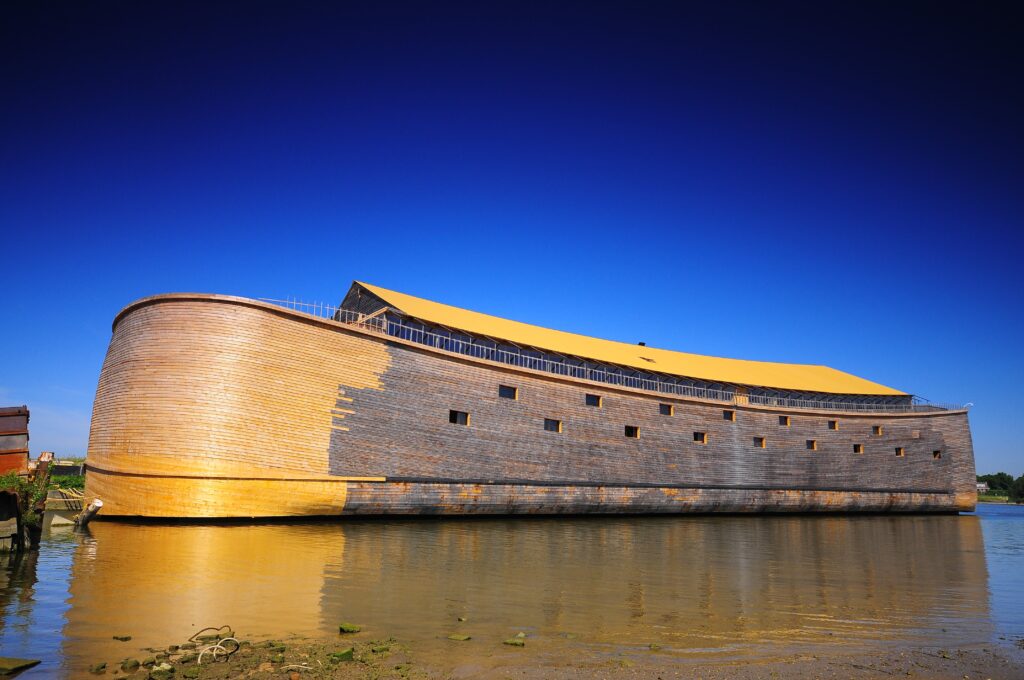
(506, 439)
(212, 388)
(221, 390)
(431, 499)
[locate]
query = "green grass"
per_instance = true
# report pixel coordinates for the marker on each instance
(992, 498)
(67, 482)
(12, 480)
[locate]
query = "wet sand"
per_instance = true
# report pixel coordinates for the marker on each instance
(349, 658)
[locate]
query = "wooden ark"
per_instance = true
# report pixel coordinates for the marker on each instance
(217, 406)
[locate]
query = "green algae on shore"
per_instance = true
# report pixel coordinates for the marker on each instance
(10, 665)
(311, 658)
(389, 659)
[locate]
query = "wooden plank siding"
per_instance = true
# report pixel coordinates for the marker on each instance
(14, 439)
(211, 406)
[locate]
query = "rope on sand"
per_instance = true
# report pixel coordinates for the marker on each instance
(218, 650)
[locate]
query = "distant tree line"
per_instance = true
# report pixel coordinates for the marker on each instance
(1002, 483)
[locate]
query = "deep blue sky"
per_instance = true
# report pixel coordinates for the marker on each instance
(779, 181)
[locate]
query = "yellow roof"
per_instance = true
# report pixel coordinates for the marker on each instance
(802, 377)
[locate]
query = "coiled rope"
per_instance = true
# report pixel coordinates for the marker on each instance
(218, 650)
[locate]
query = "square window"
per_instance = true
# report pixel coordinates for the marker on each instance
(812, 445)
(700, 437)
(936, 455)
(552, 425)
(666, 409)
(507, 392)
(876, 430)
(632, 431)
(858, 448)
(784, 421)
(594, 400)
(729, 415)
(760, 442)
(833, 424)
(458, 418)
(900, 452)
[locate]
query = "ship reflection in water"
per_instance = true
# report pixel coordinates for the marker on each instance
(709, 586)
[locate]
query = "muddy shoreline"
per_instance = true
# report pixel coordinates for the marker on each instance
(359, 655)
(701, 598)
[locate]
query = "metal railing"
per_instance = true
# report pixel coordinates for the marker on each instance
(319, 309)
(325, 311)
(619, 377)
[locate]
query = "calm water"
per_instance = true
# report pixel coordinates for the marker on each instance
(720, 587)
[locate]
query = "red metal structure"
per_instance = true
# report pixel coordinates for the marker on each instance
(14, 439)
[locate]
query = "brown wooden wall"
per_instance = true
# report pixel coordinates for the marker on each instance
(221, 397)
(14, 439)
(215, 398)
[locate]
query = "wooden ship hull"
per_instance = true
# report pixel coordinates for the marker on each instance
(211, 406)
